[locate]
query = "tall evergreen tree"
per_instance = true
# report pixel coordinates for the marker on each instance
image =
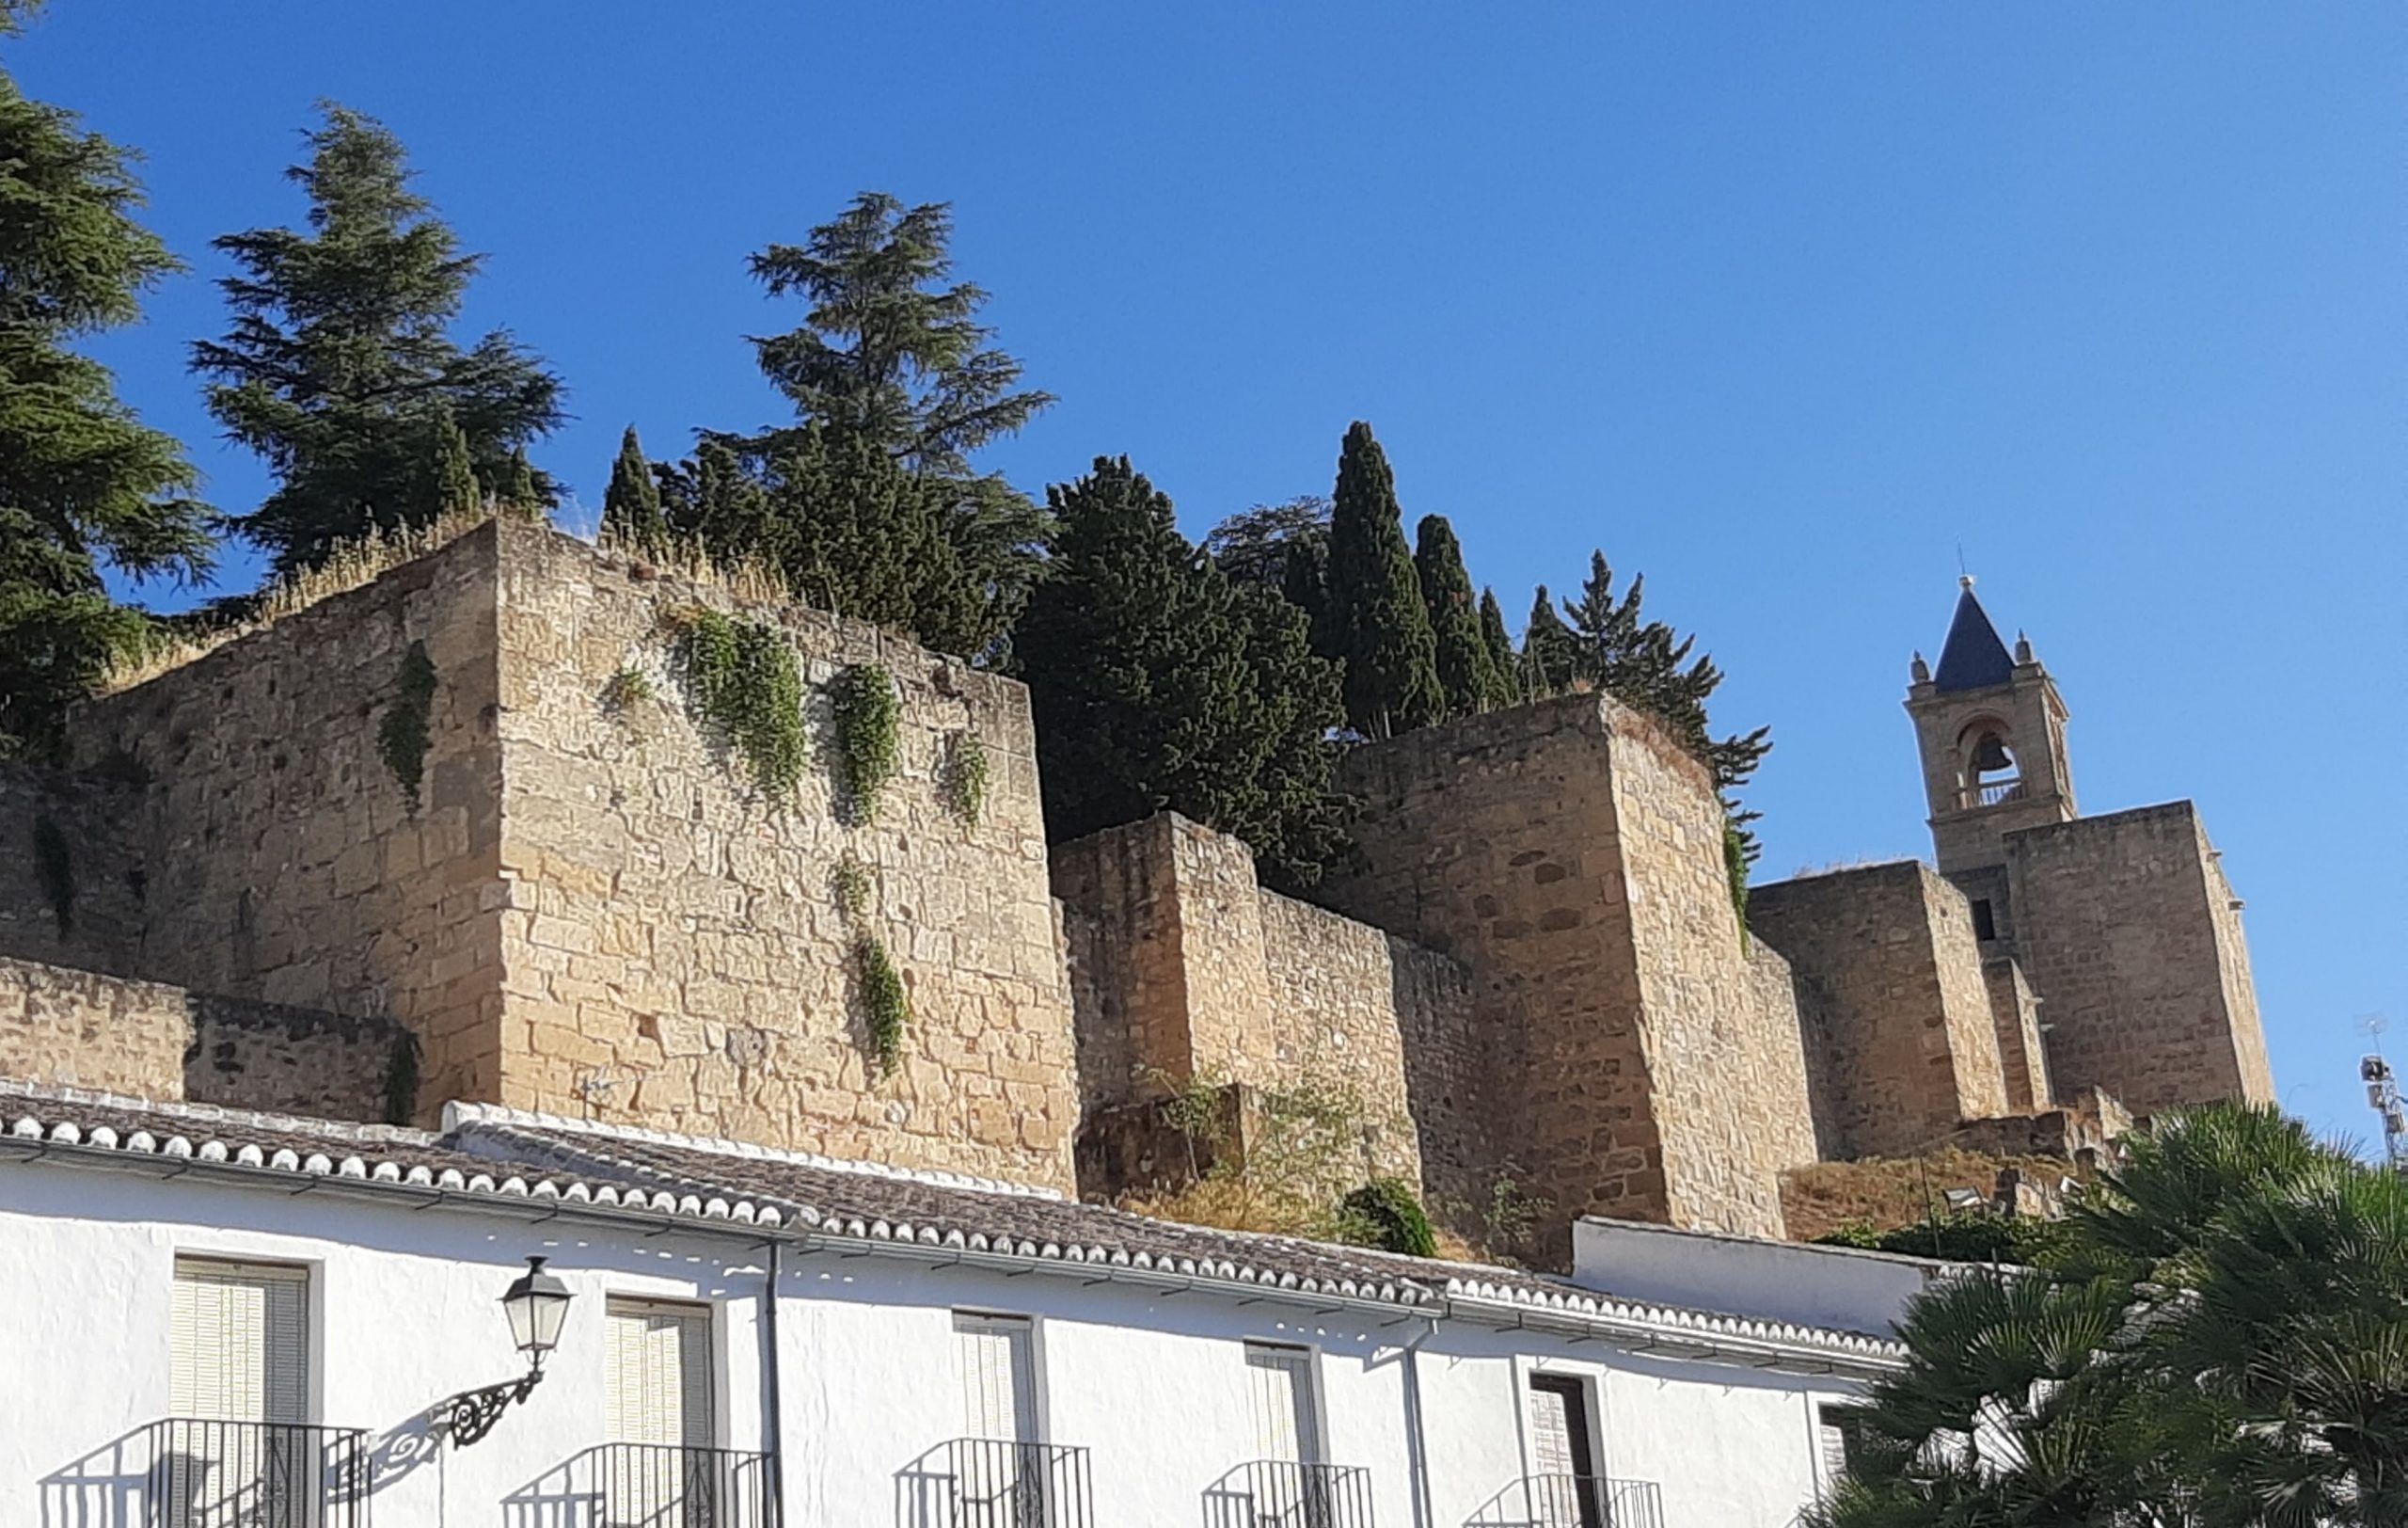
(453, 468)
(631, 514)
(1465, 671)
(1156, 683)
(1501, 660)
(1547, 649)
(82, 482)
(891, 360)
(1377, 618)
(340, 368)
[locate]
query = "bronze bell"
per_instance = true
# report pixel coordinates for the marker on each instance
(1989, 755)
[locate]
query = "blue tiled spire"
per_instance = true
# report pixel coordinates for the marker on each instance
(1973, 658)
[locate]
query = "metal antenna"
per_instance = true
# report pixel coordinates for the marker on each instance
(2383, 1093)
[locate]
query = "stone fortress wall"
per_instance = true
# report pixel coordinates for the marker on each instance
(1532, 975)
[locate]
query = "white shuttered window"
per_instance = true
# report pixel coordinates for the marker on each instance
(660, 1384)
(240, 1340)
(996, 1355)
(1281, 1383)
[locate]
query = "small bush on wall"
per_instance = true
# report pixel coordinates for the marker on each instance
(745, 685)
(885, 1006)
(966, 777)
(869, 725)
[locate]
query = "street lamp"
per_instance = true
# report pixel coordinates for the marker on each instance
(536, 1305)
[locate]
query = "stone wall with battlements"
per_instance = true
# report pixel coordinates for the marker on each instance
(1911, 1048)
(1571, 856)
(81, 1028)
(2129, 932)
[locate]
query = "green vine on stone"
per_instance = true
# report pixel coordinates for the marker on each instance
(868, 735)
(851, 882)
(55, 868)
(966, 776)
(401, 737)
(1734, 866)
(746, 686)
(626, 689)
(885, 1004)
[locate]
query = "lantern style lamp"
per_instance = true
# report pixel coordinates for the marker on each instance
(536, 1306)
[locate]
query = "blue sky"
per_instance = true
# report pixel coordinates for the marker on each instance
(1779, 305)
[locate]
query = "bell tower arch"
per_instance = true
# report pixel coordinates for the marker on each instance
(1991, 729)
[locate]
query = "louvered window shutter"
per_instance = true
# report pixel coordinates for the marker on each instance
(658, 1388)
(239, 1341)
(998, 1376)
(1281, 1383)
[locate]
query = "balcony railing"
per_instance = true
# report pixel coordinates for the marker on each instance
(1995, 792)
(670, 1485)
(1574, 1502)
(997, 1483)
(1278, 1493)
(206, 1473)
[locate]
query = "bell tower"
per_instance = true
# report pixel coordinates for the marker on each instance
(1991, 728)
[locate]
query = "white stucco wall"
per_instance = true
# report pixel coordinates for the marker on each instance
(1839, 1287)
(405, 1315)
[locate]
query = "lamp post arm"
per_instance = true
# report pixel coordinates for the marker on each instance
(472, 1415)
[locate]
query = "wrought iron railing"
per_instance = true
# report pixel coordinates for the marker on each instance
(206, 1474)
(997, 1483)
(1574, 1502)
(1991, 792)
(1281, 1493)
(672, 1485)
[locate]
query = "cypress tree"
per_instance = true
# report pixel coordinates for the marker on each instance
(339, 359)
(631, 514)
(81, 478)
(453, 469)
(518, 491)
(1547, 649)
(1465, 671)
(1500, 648)
(1156, 683)
(1377, 618)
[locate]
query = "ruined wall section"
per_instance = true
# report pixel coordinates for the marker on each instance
(284, 861)
(674, 950)
(2126, 930)
(1911, 1048)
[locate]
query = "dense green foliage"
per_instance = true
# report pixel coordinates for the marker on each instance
(744, 682)
(631, 514)
(966, 771)
(886, 1007)
(1378, 625)
(869, 740)
(1467, 673)
(340, 369)
(402, 735)
(1960, 1237)
(1157, 683)
(1548, 654)
(1385, 1213)
(82, 482)
(2220, 1339)
(868, 502)
(1256, 545)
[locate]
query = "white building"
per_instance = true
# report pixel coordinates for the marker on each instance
(757, 1338)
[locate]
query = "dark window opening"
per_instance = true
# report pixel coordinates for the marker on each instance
(1984, 924)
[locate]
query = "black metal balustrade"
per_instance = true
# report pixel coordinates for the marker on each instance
(996, 1483)
(1574, 1502)
(670, 1485)
(206, 1473)
(1281, 1493)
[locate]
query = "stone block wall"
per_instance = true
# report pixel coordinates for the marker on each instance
(673, 951)
(72, 879)
(1571, 857)
(82, 1028)
(1909, 1045)
(2125, 927)
(283, 860)
(2015, 1014)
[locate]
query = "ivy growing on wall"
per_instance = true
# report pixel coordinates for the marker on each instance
(742, 680)
(868, 735)
(401, 737)
(885, 1006)
(55, 868)
(628, 688)
(966, 776)
(850, 883)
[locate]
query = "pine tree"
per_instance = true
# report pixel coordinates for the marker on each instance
(1501, 660)
(81, 479)
(1377, 619)
(1158, 684)
(1547, 649)
(339, 360)
(631, 514)
(1466, 671)
(889, 361)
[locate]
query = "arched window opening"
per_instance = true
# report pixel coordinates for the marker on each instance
(1992, 778)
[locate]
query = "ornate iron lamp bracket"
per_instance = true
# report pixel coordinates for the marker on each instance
(468, 1416)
